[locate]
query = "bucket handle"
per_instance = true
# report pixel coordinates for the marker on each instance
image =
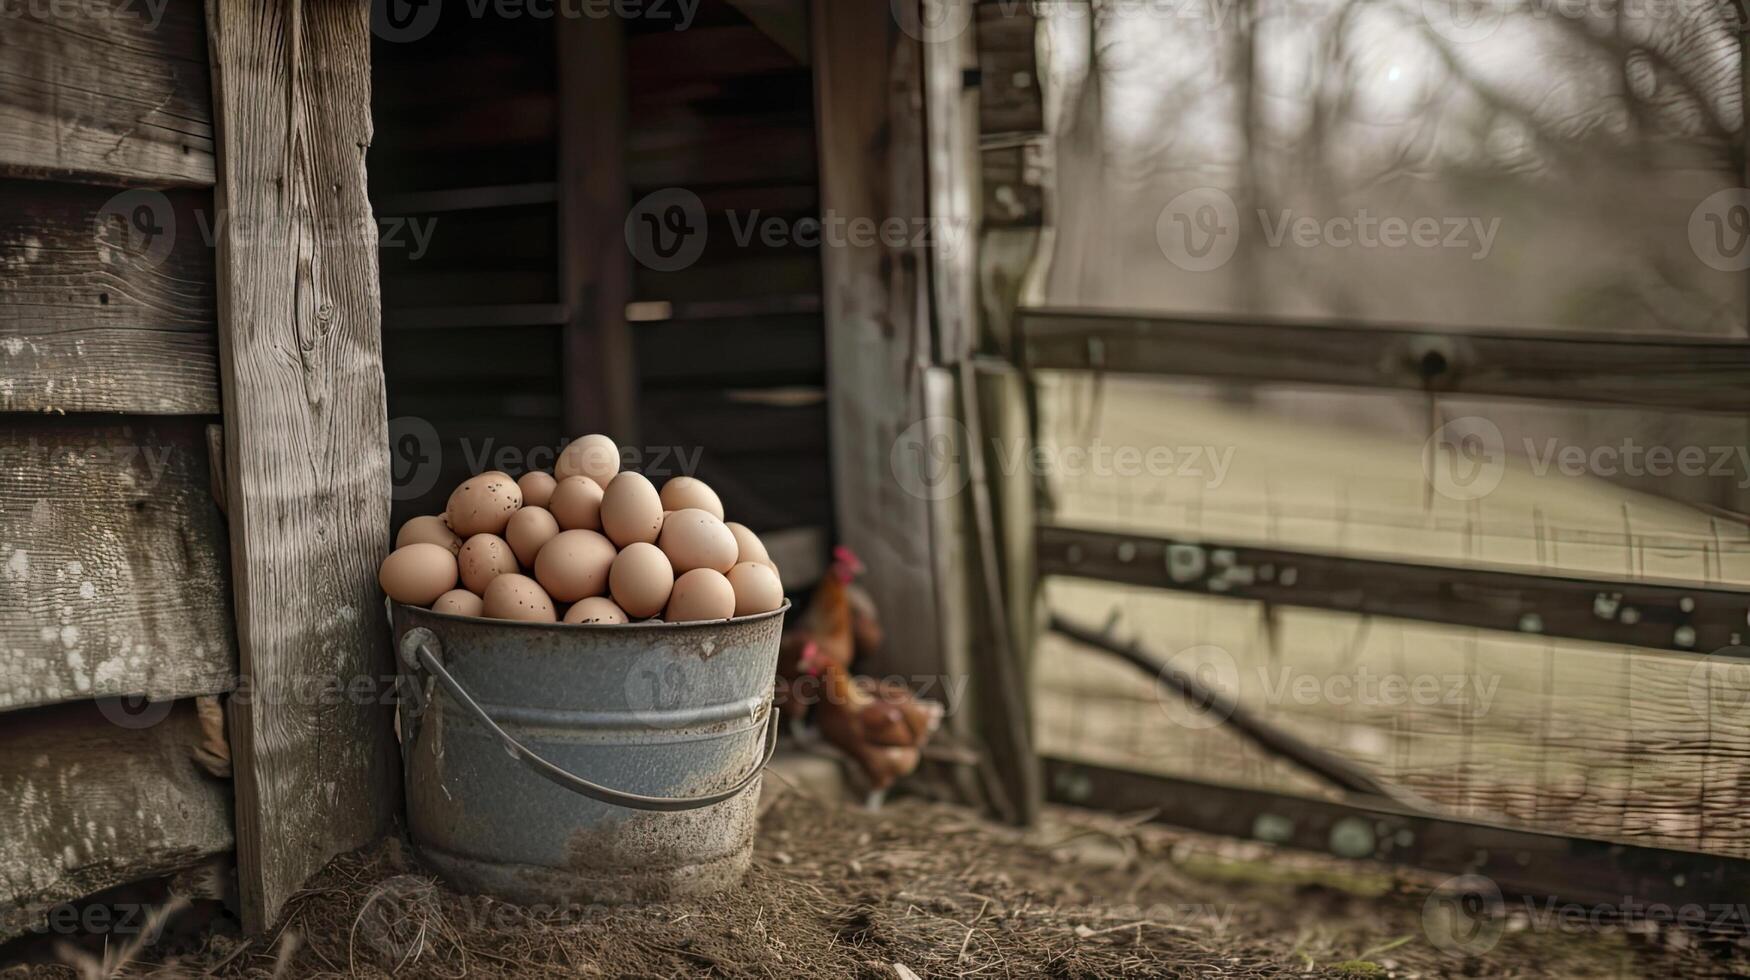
(578, 784)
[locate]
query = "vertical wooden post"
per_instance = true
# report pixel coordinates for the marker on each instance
(868, 81)
(306, 436)
(999, 683)
(595, 271)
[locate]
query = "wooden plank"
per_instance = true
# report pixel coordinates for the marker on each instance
(99, 795)
(1659, 615)
(113, 556)
(663, 61)
(595, 273)
(1009, 96)
(96, 316)
(765, 350)
(446, 317)
(868, 85)
(1014, 185)
(108, 91)
(1650, 371)
(468, 198)
(305, 436)
(1566, 871)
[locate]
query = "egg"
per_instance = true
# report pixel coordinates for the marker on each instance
(459, 602)
(574, 565)
(418, 573)
(748, 546)
(537, 488)
(483, 558)
(431, 530)
(692, 539)
(683, 492)
(757, 588)
(700, 594)
(577, 504)
(641, 580)
(483, 505)
(595, 609)
(631, 510)
(528, 530)
(594, 456)
(513, 596)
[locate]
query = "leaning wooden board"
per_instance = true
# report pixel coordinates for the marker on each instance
(98, 797)
(113, 91)
(306, 435)
(112, 559)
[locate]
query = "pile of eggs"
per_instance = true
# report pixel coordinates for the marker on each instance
(584, 544)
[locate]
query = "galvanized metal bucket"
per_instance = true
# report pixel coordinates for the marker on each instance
(638, 751)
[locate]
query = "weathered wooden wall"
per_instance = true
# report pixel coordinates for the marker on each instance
(114, 583)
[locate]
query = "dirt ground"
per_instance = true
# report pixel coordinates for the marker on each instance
(927, 889)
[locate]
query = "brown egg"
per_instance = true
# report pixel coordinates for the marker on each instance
(631, 510)
(574, 565)
(595, 609)
(431, 530)
(748, 546)
(537, 488)
(577, 504)
(483, 505)
(641, 580)
(594, 456)
(418, 573)
(528, 530)
(757, 588)
(692, 539)
(683, 492)
(699, 595)
(459, 602)
(514, 596)
(484, 557)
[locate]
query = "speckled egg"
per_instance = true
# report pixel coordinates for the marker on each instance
(484, 557)
(483, 505)
(598, 610)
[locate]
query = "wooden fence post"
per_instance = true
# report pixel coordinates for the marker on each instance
(306, 436)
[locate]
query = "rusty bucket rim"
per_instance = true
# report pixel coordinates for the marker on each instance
(594, 627)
